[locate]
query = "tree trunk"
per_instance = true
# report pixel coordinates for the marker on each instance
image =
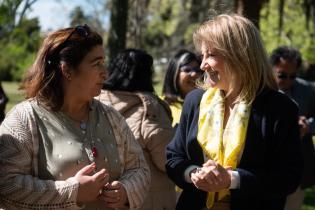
(138, 19)
(250, 9)
(118, 28)
(199, 11)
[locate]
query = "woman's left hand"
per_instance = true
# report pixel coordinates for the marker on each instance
(212, 177)
(114, 195)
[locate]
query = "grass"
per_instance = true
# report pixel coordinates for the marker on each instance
(15, 96)
(309, 201)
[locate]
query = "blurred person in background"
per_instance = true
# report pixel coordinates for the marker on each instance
(129, 89)
(286, 63)
(61, 148)
(180, 78)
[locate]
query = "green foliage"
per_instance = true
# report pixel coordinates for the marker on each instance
(169, 27)
(294, 32)
(309, 200)
(189, 33)
(14, 94)
(19, 39)
(18, 49)
(7, 15)
(14, 61)
(163, 22)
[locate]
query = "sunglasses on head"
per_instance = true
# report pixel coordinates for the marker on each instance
(285, 76)
(82, 31)
(189, 69)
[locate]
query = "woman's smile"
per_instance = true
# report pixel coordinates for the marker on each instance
(214, 77)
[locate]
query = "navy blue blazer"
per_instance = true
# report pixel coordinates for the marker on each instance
(271, 164)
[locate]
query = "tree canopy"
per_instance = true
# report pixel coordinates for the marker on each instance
(19, 38)
(161, 27)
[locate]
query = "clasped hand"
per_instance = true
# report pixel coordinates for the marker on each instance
(114, 195)
(97, 186)
(90, 185)
(304, 126)
(211, 177)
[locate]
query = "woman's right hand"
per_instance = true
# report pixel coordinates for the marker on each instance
(90, 185)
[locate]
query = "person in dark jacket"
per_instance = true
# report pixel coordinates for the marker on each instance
(237, 145)
(286, 62)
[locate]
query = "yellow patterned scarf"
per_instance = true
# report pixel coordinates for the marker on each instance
(221, 145)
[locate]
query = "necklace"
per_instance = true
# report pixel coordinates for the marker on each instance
(84, 128)
(87, 130)
(93, 153)
(82, 123)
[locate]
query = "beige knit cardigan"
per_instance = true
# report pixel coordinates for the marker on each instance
(20, 188)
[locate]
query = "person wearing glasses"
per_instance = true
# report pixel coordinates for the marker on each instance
(286, 62)
(61, 148)
(237, 144)
(129, 89)
(180, 78)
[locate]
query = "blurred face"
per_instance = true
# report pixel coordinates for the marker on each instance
(285, 72)
(89, 77)
(187, 77)
(213, 65)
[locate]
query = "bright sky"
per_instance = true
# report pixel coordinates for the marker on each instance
(54, 14)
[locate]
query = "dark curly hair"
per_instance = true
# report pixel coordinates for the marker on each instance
(286, 53)
(131, 70)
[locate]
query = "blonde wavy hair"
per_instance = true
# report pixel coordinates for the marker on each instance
(238, 41)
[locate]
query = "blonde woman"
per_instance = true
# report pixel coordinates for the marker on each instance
(237, 144)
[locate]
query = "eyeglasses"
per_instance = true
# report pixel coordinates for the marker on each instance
(190, 69)
(285, 76)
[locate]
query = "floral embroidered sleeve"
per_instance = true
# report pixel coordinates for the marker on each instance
(135, 172)
(20, 188)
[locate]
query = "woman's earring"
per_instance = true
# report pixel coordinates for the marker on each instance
(68, 76)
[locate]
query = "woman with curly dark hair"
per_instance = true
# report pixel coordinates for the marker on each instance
(129, 89)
